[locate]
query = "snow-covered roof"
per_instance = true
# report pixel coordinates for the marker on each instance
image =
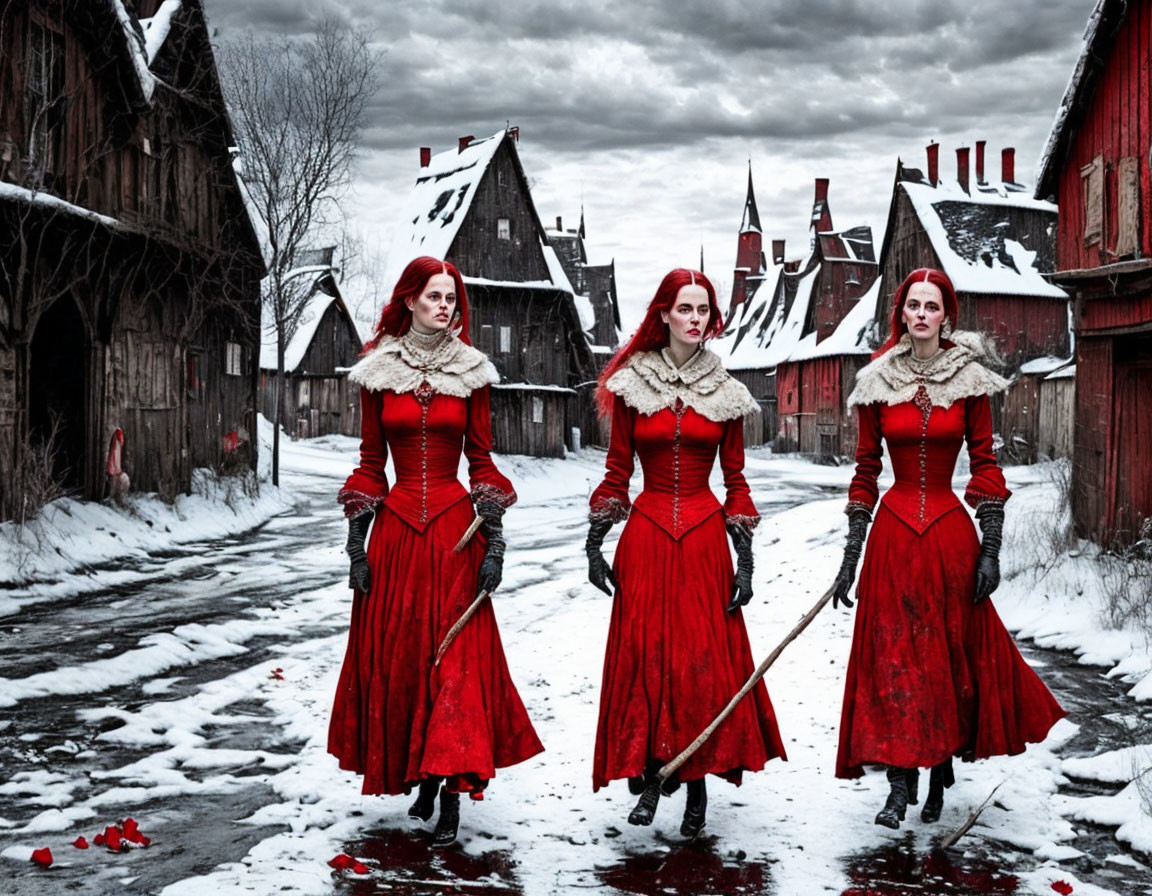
(136, 50)
(156, 29)
(37, 197)
(849, 338)
(1083, 75)
(297, 346)
(770, 329)
(437, 205)
(1063, 373)
(966, 234)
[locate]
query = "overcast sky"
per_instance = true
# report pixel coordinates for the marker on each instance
(648, 112)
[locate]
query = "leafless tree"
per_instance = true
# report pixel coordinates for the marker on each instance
(298, 108)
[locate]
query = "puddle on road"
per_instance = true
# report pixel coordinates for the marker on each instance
(411, 867)
(900, 870)
(688, 870)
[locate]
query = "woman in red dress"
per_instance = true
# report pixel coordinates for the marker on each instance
(932, 672)
(677, 647)
(399, 720)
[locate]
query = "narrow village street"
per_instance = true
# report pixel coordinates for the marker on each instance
(194, 700)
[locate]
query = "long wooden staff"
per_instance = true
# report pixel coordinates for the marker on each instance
(964, 828)
(686, 754)
(472, 607)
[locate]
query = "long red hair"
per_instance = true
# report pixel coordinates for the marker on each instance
(898, 328)
(396, 317)
(652, 334)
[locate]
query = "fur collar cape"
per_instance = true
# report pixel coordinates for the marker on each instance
(401, 364)
(651, 382)
(948, 376)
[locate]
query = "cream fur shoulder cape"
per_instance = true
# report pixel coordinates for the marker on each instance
(650, 382)
(400, 365)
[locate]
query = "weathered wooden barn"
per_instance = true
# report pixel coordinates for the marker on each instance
(318, 399)
(995, 242)
(472, 206)
(1096, 166)
(800, 350)
(129, 269)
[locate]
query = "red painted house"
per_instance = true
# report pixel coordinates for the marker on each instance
(1096, 165)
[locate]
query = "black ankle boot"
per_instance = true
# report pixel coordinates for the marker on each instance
(425, 803)
(449, 820)
(645, 809)
(636, 785)
(934, 802)
(912, 776)
(897, 803)
(694, 809)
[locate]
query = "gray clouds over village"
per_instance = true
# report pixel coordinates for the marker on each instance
(649, 112)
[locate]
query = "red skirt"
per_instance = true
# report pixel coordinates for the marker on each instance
(675, 658)
(931, 674)
(397, 718)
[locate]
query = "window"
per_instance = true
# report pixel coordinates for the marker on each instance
(304, 397)
(505, 339)
(1128, 210)
(1092, 177)
(45, 101)
(537, 409)
(503, 229)
(486, 341)
(233, 359)
(195, 376)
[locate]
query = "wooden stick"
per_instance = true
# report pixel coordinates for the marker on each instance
(684, 756)
(951, 839)
(467, 536)
(460, 623)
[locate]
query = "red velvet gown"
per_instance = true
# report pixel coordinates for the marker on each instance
(397, 718)
(675, 657)
(931, 674)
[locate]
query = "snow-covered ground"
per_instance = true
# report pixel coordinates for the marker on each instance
(799, 826)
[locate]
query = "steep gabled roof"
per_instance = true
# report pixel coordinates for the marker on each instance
(751, 219)
(325, 293)
(1099, 34)
(438, 203)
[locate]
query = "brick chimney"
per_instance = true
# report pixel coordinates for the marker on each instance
(777, 251)
(934, 163)
(821, 189)
(464, 143)
(559, 224)
(425, 156)
(1008, 165)
(980, 161)
(962, 169)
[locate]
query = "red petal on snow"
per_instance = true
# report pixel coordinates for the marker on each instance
(129, 827)
(42, 856)
(359, 868)
(341, 861)
(277, 674)
(81, 843)
(98, 839)
(1062, 887)
(112, 838)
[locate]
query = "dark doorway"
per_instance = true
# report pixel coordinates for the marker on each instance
(58, 386)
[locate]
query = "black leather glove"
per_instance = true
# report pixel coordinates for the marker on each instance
(599, 572)
(742, 581)
(492, 566)
(991, 517)
(358, 576)
(858, 520)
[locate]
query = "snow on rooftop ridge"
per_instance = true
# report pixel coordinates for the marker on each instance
(979, 277)
(297, 347)
(136, 50)
(157, 28)
(438, 203)
(38, 197)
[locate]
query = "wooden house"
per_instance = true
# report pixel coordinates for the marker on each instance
(800, 348)
(1096, 166)
(472, 206)
(129, 269)
(318, 399)
(996, 242)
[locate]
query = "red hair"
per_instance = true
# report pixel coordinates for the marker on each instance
(652, 334)
(940, 280)
(396, 317)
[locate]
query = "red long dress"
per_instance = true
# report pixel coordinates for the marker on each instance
(674, 656)
(931, 674)
(397, 718)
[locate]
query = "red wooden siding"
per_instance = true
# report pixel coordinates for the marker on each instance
(1115, 126)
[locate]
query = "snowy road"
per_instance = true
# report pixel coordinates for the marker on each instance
(148, 690)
